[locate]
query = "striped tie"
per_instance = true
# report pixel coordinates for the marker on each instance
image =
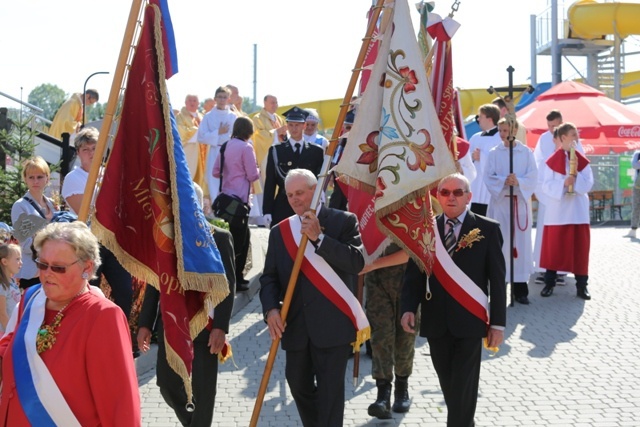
(450, 237)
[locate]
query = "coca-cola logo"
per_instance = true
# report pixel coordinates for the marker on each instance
(629, 132)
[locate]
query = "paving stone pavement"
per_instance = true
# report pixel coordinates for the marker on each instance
(565, 362)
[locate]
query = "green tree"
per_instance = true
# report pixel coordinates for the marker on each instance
(247, 105)
(18, 144)
(48, 97)
(95, 112)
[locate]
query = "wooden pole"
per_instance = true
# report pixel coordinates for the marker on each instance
(112, 104)
(316, 198)
(356, 357)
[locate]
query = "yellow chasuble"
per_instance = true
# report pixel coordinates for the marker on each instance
(68, 117)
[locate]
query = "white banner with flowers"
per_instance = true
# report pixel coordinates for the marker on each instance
(396, 144)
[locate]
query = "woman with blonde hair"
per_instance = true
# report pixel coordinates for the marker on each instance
(66, 356)
(35, 174)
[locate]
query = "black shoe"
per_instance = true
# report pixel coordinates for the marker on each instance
(242, 287)
(584, 294)
(547, 290)
(381, 408)
(523, 300)
(560, 280)
(540, 279)
(401, 402)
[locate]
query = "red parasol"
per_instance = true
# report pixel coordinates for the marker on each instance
(605, 126)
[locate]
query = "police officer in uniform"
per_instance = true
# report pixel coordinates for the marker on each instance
(293, 153)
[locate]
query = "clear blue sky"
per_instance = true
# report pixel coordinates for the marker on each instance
(306, 49)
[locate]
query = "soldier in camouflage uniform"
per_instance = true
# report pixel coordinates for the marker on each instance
(392, 347)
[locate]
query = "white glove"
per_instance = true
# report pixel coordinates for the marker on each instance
(267, 220)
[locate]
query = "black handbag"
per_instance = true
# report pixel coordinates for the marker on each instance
(231, 209)
(228, 207)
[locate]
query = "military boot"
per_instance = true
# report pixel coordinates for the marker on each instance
(401, 401)
(381, 408)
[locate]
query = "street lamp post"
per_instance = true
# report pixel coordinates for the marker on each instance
(84, 95)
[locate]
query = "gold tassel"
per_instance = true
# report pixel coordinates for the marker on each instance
(361, 336)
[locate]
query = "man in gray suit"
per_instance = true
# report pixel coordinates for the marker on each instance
(319, 329)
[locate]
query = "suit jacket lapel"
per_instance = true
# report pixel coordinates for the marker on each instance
(322, 217)
(468, 223)
(440, 225)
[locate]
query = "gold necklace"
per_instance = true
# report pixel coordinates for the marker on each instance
(46, 336)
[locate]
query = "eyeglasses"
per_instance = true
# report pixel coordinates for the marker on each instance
(60, 269)
(458, 192)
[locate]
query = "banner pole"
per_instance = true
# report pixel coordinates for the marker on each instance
(112, 104)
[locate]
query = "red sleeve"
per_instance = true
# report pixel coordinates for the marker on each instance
(112, 379)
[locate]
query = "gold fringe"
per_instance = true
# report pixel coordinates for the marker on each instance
(130, 263)
(361, 336)
(177, 364)
(394, 207)
(222, 358)
(357, 184)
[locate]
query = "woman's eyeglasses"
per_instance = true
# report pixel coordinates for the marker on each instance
(458, 192)
(60, 269)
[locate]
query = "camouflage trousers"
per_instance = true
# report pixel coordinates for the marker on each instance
(392, 347)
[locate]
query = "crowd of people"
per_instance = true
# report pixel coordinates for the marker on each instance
(269, 164)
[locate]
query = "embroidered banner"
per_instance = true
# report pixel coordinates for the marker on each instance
(396, 147)
(147, 213)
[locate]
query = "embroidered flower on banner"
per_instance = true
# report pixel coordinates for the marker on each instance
(469, 239)
(369, 150)
(423, 153)
(380, 187)
(409, 78)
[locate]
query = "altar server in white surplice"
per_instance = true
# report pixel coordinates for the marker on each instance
(523, 180)
(215, 130)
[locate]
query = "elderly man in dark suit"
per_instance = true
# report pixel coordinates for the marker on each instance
(293, 153)
(319, 327)
(456, 314)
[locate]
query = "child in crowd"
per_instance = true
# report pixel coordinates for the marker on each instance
(10, 264)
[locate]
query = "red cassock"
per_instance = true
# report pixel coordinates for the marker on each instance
(91, 362)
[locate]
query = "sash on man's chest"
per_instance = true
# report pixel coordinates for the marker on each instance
(325, 279)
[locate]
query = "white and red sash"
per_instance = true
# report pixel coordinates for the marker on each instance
(325, 279)
(457, 283)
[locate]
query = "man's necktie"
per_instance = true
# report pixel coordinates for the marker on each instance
(450, 237)
(296, 151)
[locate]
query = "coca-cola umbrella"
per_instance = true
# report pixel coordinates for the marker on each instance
(605, 126)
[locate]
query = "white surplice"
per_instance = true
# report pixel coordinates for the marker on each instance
(496, 171)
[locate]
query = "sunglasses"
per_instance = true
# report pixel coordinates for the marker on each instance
(60, 269)
(458, 192)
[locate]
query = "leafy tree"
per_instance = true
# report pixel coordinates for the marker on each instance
(49, 97)
(95, 112)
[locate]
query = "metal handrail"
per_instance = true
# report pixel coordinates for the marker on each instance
(26, 104)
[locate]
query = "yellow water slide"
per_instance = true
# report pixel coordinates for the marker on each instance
(590, 19)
